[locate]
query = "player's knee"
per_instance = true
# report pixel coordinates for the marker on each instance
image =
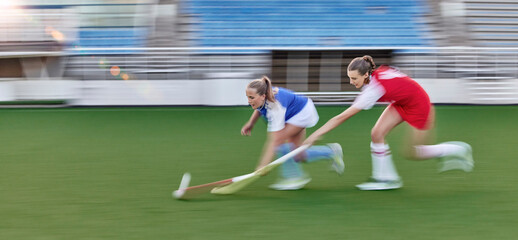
(377, 135)
(408, 155)
(410, 152)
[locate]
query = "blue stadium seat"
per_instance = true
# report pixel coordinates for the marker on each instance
(308, 33)
(113, 37)
(336, 25)
(227, 23)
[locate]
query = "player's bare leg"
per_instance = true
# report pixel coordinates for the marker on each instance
(384, 174)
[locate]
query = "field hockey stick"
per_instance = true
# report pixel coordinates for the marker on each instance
(240, 182)
(186, 192)
(237, 183)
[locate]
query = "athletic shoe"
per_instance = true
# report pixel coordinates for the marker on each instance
(374, 184)
(462, 160)
(338, 158)
(290, 183)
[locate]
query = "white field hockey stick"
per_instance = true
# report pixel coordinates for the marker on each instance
(231, 185)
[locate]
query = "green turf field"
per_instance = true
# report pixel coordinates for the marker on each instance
(108, 173)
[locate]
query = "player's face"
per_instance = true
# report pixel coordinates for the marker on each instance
(255, 100)
(356, 78)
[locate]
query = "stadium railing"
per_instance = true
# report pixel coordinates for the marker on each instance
(475, 70)
(183, 76)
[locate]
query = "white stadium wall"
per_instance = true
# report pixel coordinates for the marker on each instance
(215, 92)
(212, 92)
(22, 89)
(230, 92)
(445, 90)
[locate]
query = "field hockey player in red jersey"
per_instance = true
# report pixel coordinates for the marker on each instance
(408, 103)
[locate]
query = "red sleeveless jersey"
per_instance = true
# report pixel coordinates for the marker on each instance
(405, 95)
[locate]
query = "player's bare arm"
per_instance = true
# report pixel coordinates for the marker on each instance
(331, 124)
(246, 130)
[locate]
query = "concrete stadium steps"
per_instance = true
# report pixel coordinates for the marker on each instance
(466, 63)
(492, 23)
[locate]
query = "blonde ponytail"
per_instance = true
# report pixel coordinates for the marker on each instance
(263, 86)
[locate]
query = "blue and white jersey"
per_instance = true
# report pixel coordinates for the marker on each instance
(287, 105)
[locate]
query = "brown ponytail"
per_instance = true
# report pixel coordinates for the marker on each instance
(263, 86)
(363, 65)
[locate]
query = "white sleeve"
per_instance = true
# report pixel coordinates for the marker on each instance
(369, 96)
(276, 117)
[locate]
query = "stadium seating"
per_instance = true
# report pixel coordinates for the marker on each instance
(75, 24)
(111, 37)
(117, 25)
(298, 23)
(493, 23)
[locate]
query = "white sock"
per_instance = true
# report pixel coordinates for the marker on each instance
(382, 166)
(438, 150)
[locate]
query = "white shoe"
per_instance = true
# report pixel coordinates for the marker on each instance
(338, 158)
(290, 183)
(462, 160)
(374, 184)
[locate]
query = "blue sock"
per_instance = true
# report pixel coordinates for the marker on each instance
(316, 153)
(290, 168)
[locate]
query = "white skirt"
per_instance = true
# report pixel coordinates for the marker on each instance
(307, 117)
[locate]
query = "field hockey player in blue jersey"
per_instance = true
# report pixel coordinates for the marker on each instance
(288, 115)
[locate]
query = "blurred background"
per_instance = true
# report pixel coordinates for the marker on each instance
(204, 52)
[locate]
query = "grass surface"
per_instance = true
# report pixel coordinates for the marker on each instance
(108, 173)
